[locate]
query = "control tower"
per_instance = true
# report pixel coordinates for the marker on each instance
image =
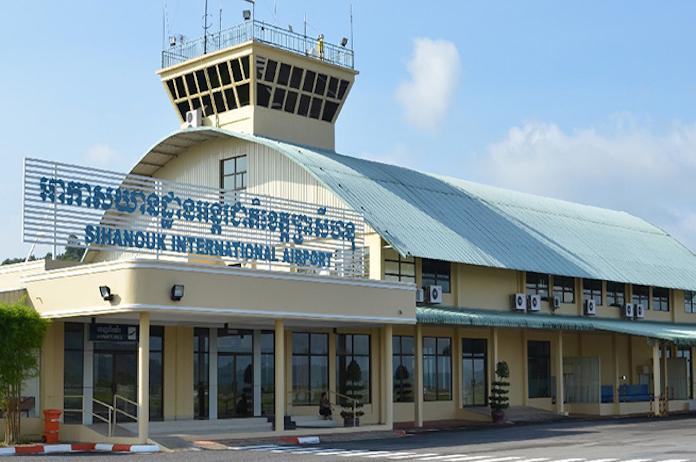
(260, 79)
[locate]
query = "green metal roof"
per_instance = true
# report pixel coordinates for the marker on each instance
(455, 220)
(681, 334)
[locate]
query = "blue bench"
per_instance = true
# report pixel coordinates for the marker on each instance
(634, 393)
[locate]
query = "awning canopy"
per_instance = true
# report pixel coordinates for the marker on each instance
(680, 334)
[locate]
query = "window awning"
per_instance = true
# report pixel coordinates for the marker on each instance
(680, 334)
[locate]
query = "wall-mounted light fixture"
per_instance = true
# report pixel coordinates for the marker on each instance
(344, 42)
(246, 14)
(177, 292)
(105, 292)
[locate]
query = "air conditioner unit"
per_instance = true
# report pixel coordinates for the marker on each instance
(519, 302)
(556, 302)
(629, 311)
(590, 307)
(534, 303)
(194, 118)
(420, 296)
(639, 311)
(434, 294)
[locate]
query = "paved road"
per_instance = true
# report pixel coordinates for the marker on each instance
(671, 440)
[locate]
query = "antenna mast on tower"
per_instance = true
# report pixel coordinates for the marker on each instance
(205, 28)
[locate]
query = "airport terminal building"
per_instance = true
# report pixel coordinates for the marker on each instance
(243, 268)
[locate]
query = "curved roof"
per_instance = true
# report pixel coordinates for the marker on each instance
(449, 219)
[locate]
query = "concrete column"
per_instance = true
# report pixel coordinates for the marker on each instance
(388, 377)
(616, 379)
(213, 374)
(560, 392)
(87, 379)
(656, 377)
(256, 364)
(279, 359)
(144, 378)
(418, 391)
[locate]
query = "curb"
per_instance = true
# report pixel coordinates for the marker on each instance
(301, 440)
(79, 447)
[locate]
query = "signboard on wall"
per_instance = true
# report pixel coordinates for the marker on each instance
(113, 333)
(101, 210)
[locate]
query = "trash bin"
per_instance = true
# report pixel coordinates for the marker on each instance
(51, 425)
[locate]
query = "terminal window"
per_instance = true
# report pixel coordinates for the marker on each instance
(437, 368)
(436, 273)
(353, 367)
(690, 301)
(641, 296)
(660, 299)
(539, 369)
(538, 284)
(233, 173)
(564, 288)
(74, 341)
(616, 293)
(403, 367)
(398, 268)
(592, 290)
(310, 367)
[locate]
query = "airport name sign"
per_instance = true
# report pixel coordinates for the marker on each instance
(78, 206)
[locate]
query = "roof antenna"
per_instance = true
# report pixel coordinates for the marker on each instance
(352, 42)
(220, 21)
(205, 29)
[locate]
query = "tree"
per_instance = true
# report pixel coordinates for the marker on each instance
(21, 335)
(499, 400)
(355, 390)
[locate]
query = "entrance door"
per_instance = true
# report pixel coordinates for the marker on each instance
(474, 372)
(235, 374)
(116, 373)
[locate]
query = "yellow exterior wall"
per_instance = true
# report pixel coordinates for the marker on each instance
(142, 285)
(51, 370)
(178, 373)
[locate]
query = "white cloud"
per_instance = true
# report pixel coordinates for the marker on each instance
(625, 166)
(100, 155)
(434, 69)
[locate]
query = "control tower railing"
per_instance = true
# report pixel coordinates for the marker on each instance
(263, 33)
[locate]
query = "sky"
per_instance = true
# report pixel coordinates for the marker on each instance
(589, 101)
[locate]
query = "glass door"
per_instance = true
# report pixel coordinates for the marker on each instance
(235, 374)
(474, 367)
(116, 373)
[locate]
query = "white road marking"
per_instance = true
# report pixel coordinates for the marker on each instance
(500, 459)
(359, 453)
(390, 455)
(603, 460)
(469, 458)
(568, 460)
(537, 459)
(442, 457)
(674, 460)
(413, 455)
(637, 460)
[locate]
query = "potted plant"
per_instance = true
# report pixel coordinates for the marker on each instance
(499, 400)
(354, 389)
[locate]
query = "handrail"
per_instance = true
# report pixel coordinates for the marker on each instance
(123, 398)
(354, 401)
(111, 411)
(262, 32)
(117, 410)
